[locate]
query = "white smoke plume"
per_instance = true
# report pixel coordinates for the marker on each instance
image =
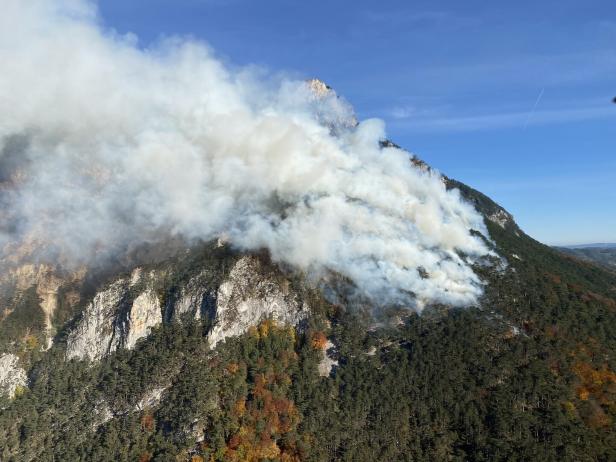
(108, 145)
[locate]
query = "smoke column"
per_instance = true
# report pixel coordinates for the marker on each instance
(104, 145)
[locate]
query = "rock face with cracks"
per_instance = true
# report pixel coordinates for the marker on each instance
(247, 297)
(113, 320)
(12, 375)
(127, 309)
(194, 299)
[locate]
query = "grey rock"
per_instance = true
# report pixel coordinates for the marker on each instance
(12, 376)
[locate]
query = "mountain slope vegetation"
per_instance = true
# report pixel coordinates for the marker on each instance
(605, 256)
(530, 374)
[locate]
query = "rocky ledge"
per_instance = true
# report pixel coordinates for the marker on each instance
(126, 310)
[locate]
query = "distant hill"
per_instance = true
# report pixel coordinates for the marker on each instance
(603, 245)
(602, 254)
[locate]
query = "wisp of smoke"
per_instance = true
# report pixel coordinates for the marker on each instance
(107, 144)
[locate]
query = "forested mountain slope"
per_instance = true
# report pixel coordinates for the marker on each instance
(529, 374)
(605, 256)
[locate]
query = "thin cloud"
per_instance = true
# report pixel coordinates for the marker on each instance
(502, 120)
(401, 112)
(581, 181)
(507, 75)
(418, 18)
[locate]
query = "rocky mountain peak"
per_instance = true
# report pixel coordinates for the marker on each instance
(319, 88)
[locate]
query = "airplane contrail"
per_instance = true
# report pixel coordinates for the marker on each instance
(532, 111)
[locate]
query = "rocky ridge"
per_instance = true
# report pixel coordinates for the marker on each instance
(128, 308)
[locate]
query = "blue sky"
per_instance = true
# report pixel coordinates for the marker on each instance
(512, 98)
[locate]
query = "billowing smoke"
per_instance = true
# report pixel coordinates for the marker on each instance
(105, 145)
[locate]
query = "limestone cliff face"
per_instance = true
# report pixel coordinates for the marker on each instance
(194, 299)
(12, 375)
(248, 296)
(94, 336)
(145, 314)
(127, 309)
(114, 318)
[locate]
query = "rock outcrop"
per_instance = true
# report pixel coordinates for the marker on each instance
(127, 309)
(328, 361)
(113, 320)
(94, 337)
(194, 299)
(331, 110)
(151, 398)
(145, 314)
(12, 376)
(501, 218)
(248, 296)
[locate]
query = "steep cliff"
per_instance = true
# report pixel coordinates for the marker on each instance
(12, 375)
(250, 295)
(127, 309)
